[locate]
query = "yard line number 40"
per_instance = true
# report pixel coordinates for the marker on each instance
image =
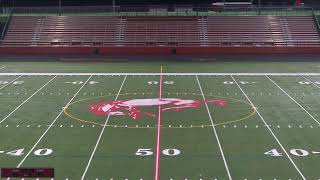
(295, 152)
(164, 82)
(39, 152)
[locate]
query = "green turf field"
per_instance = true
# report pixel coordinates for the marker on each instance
(267, 127)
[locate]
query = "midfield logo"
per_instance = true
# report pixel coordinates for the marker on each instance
(133, 107)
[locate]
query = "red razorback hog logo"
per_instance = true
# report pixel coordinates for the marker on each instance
(131, 107)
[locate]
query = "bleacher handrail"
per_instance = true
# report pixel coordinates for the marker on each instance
(316, 18)
(6, 25)
(166, 11)
(218, 31)
(112, 44)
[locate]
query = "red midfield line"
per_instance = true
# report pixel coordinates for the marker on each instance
(157, 161)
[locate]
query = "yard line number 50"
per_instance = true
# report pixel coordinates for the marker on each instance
(167, 152)
(164, 82)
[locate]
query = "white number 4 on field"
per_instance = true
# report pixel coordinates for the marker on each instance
(274, 153)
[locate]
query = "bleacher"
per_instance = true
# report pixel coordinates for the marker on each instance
(188, 31)
(262, 31)
(161, 31)
(61, 31)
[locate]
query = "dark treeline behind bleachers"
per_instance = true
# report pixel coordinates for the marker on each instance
(135, 2)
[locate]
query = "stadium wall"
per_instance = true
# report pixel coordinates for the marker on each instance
(250, 50)
(47, 50)
(137, 50)
(159, 50)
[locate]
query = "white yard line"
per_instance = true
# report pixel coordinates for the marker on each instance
(158, 74)
(215, 131)
(2, 67)
(10, 82)
(311, 82)
(270, 130)
(101, 133)
(34, 146)
(294, 100)
(27, 100)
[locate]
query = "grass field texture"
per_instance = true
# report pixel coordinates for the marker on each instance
(266, 128)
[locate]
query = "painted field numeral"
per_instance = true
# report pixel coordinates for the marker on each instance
(15, 82)
(240, 82)
(299, 152)
(167, 152)
(171, 152)
(307, 82)
(18, 152)
(295, 152)
(273, 153)
(144, 152)
(164, 82)
(81, 82)
(43, 152)
(39, 152)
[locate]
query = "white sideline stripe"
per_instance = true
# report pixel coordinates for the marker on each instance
(34, 146)
(274, 136)
(3, 67)
(157, 74)
(311, 82)
(101, 133)
(294, 100)
(215, 131)
(10, 82)
(27, 100)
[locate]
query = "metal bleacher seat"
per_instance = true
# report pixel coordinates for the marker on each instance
(262, 31)
(186, 31)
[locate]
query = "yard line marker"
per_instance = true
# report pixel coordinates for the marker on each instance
(101, 133)
(10, 82)
(293, 100)
(270, 130)
(3, 67)
(27, 100)
(157, 160)
(34, 146)
(214, 130)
